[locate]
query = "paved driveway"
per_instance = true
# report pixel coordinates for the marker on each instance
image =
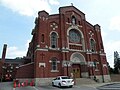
(49, 87)
(102, 86)
(111, 86)
(9, 86)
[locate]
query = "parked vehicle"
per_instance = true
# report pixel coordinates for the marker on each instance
(61, 81)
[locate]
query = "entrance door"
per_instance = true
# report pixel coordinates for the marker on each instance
(76, 70)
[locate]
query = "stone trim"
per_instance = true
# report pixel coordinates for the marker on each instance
(26, 64)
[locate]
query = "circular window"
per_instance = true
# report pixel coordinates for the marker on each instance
(74, 36)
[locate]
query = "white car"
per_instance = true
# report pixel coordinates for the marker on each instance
(63, 81)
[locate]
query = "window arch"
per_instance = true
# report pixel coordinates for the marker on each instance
(53, 40)
(54, 63)
(92, 45)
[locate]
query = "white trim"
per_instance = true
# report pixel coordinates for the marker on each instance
(54, 70)
(42, 64)
(54, 48)
(41, 49)
(50, 61)
(64, 51)
(97, 70)
(103, 54)
(75, 50)
(26, 64)
(58, 61)
(75, 44)
(104, 65)
(88, 53)
(68, 23)
(71, 57)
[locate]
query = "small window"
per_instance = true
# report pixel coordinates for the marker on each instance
(92, 45)
(54, 64)
(42, 38)
(54, 40)
(73, 20)
(68, 20)
(79, 22)
(95, 64)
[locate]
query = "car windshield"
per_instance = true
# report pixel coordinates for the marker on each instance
(65, 77)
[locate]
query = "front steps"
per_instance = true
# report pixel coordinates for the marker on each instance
(80, 81)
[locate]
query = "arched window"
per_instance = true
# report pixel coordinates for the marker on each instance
(73, 20)
(54, 64)
(74, 36)
(53, 40)
(92, 45)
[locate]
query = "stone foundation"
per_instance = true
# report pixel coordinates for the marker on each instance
(105, 78)
(48, 81)
(84, 75)
(43, 81)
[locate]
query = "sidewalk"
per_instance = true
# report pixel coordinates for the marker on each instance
(104, 86)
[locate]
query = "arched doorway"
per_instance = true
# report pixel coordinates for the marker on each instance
(76, 70)
(79, 65)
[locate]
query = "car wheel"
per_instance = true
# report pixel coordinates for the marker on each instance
(71, 86)
(59, 85)
(53, 84)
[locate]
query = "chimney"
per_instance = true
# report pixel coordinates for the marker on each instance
(4, 52)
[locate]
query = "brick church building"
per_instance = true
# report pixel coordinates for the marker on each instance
(67, 44)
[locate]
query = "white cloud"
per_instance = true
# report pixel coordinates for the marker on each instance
(115, 23)
(54, 2)
(104, 34)
(29, 7)
(27, 44)
(110, 47)
(14, 51)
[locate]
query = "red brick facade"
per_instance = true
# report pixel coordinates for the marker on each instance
(25, 71)
(65, 44)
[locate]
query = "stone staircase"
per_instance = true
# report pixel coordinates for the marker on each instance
(80, 81)
(115, 77)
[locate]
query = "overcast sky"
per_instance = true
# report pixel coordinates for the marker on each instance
(17, 21)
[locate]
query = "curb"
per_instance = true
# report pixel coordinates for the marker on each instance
(108, 87)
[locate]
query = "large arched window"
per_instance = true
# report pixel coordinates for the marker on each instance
(74, 36)
(92, 45)
(53, 40)
(54, 64)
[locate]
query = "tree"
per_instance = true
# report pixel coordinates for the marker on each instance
(117, 66)
(111, 70)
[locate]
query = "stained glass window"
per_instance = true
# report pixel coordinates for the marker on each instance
(74, 36)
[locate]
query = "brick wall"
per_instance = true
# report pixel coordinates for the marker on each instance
(25, 71)
(0, 69)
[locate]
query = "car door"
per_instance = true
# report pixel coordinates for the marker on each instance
(55, 81)
(58, 81)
